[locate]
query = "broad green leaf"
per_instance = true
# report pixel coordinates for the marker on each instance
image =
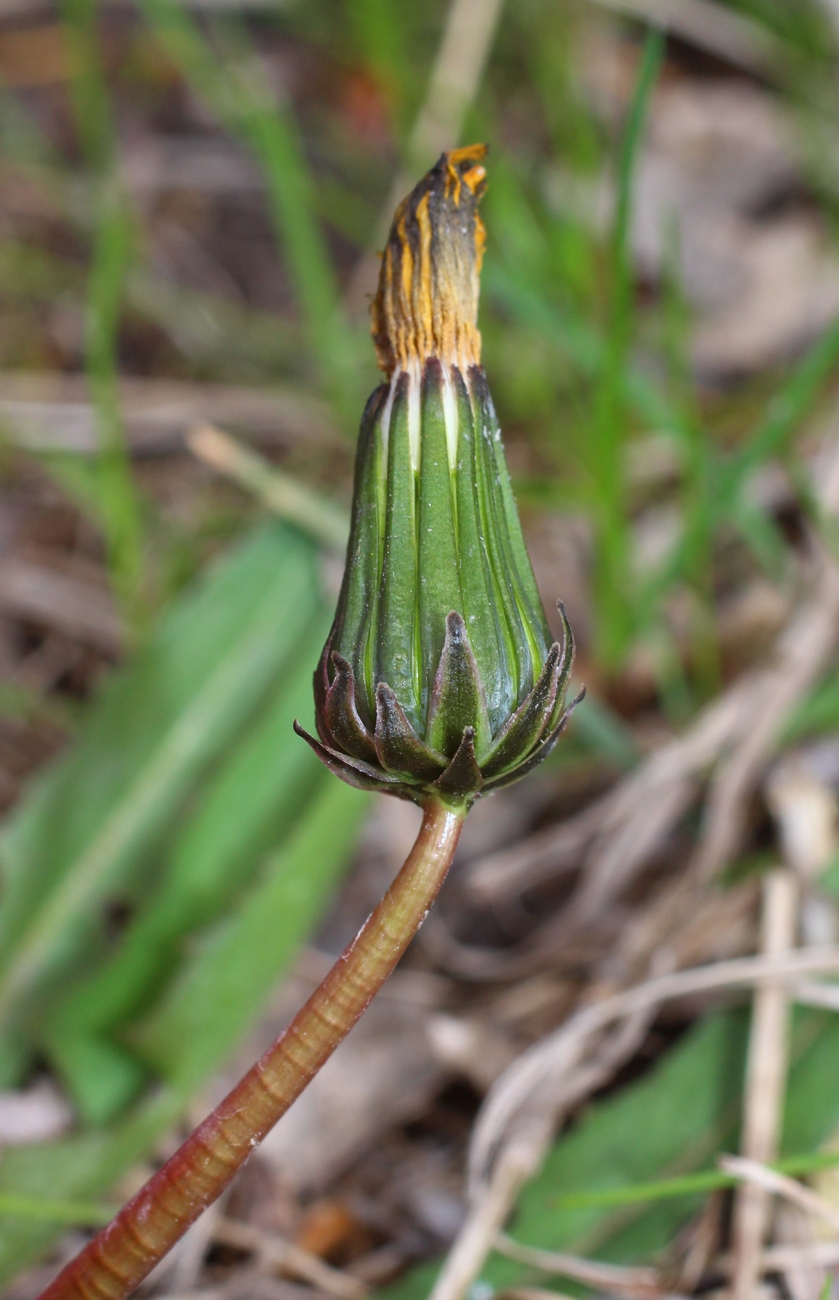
(154, 729)
(247, 805)
(210, 1008)
(82, 1166)
(100, 1076)
(75, 1213)
(672, 1121)
(220, 992)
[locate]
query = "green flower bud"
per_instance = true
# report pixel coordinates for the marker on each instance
(439, 677)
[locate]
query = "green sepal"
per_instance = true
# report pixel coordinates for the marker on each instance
(351, 770)
(568, 651)
(343, 725)
(462, 781)
(538, 715)
(524, 729)
(540, 753)
(398, 746)
(457, 700)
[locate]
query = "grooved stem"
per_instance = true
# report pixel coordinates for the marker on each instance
(117, 1259)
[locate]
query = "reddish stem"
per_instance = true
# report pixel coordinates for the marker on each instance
(123, 1253)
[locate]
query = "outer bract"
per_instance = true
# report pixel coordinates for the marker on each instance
(439, 677)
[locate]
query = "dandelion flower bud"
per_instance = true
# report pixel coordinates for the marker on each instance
(440, 678)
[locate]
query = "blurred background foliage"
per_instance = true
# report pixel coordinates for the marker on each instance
(192, 198)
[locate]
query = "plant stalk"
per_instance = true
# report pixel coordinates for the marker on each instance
(117, 1259)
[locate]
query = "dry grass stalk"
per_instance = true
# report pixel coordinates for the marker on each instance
(71, 606)
(778, 1259)
(640, 1283)
(519, 1116)
(765, 1080)
(710, 27)
(289, 499)
(532, 1293)
(541, 1293)
(755, 1174)
(48, 412)
(516, 1164)
(275, 1253)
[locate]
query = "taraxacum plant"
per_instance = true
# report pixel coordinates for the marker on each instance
(439, 681)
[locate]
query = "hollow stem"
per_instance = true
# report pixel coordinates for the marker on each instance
(117, 1259)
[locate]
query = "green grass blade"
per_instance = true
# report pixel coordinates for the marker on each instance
(378, 31)
(207, 1012)
(711, 1181)
(696, 456)
(119, 510)
(196, 734)
(232, 83)
(727, 476)
(786, 411)
(611, 585)
(85, 1214)
(576, 338)
(117, 505)
(89, 94)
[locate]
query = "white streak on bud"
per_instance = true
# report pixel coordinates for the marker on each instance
(384, 423)
(450, 417)
(414, 371)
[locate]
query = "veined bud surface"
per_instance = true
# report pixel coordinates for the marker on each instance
(439, 677)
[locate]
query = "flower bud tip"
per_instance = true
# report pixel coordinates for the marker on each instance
(427, 300)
